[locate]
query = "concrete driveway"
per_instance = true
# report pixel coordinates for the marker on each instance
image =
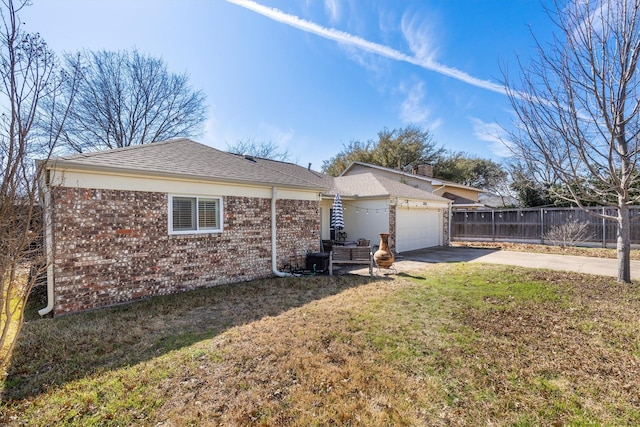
(411, 260)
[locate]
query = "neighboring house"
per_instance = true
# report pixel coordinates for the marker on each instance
(491, 201)
(375, 204)
(462, 196)
(160, 218)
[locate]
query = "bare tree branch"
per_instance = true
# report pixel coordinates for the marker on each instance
(126, 98)
(265, 150)
(31, 120)
(578, 109)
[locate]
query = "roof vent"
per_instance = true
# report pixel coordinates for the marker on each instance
(249, 157)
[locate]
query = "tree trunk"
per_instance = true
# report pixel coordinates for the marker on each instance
(624, 244)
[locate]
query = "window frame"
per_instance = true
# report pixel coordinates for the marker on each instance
(196, 206)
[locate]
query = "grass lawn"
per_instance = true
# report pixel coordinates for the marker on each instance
(454, 344)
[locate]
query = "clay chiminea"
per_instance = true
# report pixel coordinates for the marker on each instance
(383, 257)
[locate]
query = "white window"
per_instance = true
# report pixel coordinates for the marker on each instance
(189, 214)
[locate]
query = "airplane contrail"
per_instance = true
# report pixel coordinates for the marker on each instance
(359, 42)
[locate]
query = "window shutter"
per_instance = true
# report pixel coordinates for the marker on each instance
(184, 213)
(208, 214)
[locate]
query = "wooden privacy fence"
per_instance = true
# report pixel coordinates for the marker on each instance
(533, 224)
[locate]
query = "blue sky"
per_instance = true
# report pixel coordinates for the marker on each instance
(312, 75)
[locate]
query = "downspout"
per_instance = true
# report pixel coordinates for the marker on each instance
(450, 209)
(48, 241)
(274, 257)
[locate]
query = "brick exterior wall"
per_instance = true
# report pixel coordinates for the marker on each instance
(446, 241)
(113, 246)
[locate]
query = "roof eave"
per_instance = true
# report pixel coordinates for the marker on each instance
(467, 205)
(355, 196)
(64, 164)
(432, 180)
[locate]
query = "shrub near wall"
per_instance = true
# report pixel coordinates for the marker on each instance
(113, 246)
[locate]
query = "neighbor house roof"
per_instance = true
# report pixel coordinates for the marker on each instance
(188, 159)
(372, 185)
(434, 181)
(460, 201)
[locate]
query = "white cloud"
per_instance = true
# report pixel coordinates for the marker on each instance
(215, 136)
(366, 60)
(276, 135)
(366, 45)
(494, 134)
(333, 10)
(413, 109)
(212, 134)
(417, 32)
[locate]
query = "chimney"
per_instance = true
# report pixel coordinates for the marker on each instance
(425, 170)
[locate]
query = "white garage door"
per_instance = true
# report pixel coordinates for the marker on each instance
(418, 228)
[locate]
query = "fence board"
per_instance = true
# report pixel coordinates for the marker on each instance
(532, 224)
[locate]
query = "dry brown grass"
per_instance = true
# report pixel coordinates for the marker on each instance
(452, 345)
(577, 359)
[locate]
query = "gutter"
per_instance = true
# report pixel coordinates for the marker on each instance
(274, 257)
(48, 239)
(449, 224)
(65, 165)
(49, 244)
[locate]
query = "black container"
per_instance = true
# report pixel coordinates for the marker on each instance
(321, 261)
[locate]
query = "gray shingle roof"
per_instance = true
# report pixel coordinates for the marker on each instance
(372, 185)
(434, 181)
(190, 159)
(187, 158)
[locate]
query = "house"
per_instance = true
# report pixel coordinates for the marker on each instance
(155, 219)
(373, 203)
(160, 218)
(497, 201)
(462, 196)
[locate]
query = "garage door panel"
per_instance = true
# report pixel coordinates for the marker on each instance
(417, 228)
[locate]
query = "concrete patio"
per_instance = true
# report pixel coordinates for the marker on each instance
(415, 260)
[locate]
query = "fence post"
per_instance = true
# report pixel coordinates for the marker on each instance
(604, 228)
(493, 225)
(542, 226)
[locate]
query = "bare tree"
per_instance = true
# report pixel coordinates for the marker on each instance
(30, 79)
(265, 150)
(578, 110)
(126, 98)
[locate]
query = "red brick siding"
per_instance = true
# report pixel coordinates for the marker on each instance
(298, 228)
(445, 225)
(113, 246)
